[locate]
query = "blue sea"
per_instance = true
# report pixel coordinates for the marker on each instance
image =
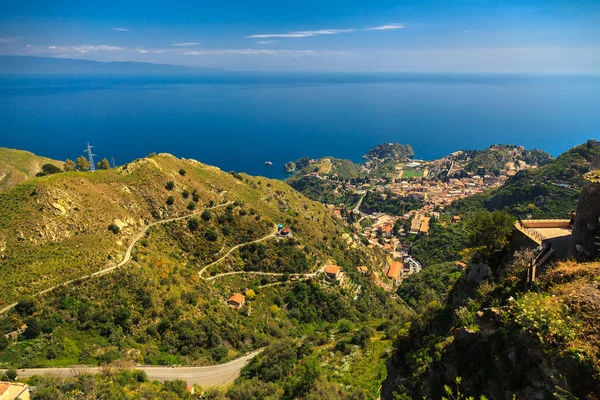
(237, 121)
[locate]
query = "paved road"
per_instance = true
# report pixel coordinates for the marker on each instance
(270, 235)
(213, 375)
(357, 208)
(127, 256)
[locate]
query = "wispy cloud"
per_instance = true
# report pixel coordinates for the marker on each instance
(121, 29)
(385, 27)
(260, 52)
(267, 41)
(319, 32)
(185, 44)
(85, 48)
(9, 39)
(144, 51)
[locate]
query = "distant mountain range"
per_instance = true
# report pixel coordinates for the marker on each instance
(50, 65)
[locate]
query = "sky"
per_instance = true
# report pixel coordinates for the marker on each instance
(524, 36)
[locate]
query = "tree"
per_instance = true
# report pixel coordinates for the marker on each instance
(82, 164)
(193, 224)
(49, 169)
(182, 172)
(33, 329)
(69, 165)
(170, 200)
(170, 185)
(206, 215)
(250, 294)
(27, 305)
(11, 374)
(104, 164)
(191, 205)
(114, 228)
(490, 231)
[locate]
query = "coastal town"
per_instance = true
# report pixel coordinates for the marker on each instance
(424, 189)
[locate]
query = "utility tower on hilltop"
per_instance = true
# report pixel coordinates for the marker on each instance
(91, 157)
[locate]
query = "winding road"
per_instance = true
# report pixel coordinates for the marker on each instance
(270, 235)
(127, 256)
(212, 375)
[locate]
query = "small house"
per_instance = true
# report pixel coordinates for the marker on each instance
(461, 266)
(236, 301)
(362, 269)
(394, 271)
(332, 272)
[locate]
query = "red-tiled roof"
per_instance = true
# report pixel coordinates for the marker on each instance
(332, 269)
(237, 297)
(394, 271)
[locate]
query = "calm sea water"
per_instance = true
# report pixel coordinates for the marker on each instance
(239, 121)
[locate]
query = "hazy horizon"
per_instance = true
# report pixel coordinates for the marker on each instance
(332, 36)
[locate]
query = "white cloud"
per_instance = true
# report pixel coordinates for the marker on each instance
(85, 48)
(319, 32)
(185, 44)
(121, 29)
(262, 52)
(144, 51)
(267, 41)
(5, 40)
(385, 27)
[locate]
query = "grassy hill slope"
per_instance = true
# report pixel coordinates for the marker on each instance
(156, 309)
(18, 165)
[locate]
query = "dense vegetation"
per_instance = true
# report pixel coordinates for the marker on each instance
(442, 244)
(393, 151)
(388, 203)
(493, 160)
(323, 191)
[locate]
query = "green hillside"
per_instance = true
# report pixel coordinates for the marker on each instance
(156, 309)
(18, 165)
(555, 187)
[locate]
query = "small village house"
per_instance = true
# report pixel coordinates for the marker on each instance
(362, 269)
(236, 301)
(332, 272)
(394, 271)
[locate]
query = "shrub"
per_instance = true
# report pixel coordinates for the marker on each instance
(170, 185)
(170, 200)
(212, 235)
(193, 224)
(27, 305)
(191, 205)
(49, 169)
(114, 228)
(182, 172)
(206, 215)
(185, 194)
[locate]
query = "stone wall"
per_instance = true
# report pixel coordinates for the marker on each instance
(586, 231)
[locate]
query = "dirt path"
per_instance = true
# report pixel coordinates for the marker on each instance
(270, 235)
(127, 256)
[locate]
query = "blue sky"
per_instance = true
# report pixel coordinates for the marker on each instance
(349, 35)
